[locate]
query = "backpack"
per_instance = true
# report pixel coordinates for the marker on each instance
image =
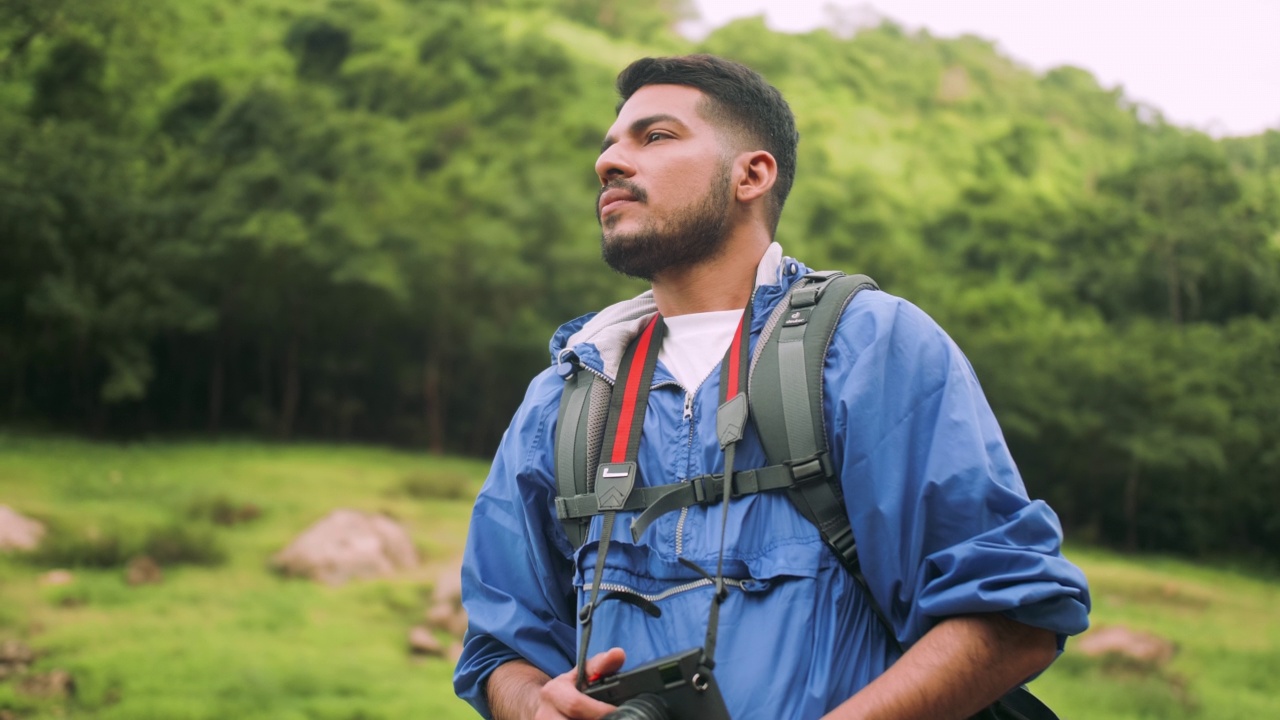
(785, 398)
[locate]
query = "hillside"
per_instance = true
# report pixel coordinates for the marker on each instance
(362, 220)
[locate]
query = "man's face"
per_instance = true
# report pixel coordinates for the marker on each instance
(665, 184)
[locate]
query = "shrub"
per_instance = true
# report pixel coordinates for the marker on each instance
(184, 545)
(89, 547)
(113, 546)
(221, 510)
(436, 486)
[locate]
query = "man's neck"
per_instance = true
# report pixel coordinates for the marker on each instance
(723, 282)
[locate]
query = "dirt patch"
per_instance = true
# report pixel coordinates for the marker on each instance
(15, 659)
(1143, 649)
(1167, 594)
(142, 570)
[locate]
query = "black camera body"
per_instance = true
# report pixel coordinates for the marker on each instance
(676, 687)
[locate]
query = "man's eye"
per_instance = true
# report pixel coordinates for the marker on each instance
(656, 136)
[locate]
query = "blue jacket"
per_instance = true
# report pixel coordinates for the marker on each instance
(943, 524)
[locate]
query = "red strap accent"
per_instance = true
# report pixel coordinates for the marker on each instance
(631, 391)
(735, 357)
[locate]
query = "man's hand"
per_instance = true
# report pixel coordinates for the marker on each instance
(519, 691)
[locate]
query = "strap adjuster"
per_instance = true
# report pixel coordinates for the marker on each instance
(808, 470)
(805, 296)
(843, 543)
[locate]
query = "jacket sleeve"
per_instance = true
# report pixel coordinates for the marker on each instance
(517, 567)
(942, 520)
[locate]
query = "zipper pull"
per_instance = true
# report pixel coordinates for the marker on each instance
(568, 364)
(688, 405)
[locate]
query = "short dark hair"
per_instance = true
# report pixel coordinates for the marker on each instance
(738, 97)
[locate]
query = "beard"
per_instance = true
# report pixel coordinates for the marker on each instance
(688, 236)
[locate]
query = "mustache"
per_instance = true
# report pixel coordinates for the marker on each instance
(622, 184)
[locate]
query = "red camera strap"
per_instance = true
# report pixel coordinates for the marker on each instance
(615, 478)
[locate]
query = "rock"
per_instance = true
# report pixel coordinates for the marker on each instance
(423, 642)
(53, 684)
(54, 578)
(13, 652)
(18, 532)
(348, 545)
(448, 618)
(445, 612)
(142, 570)
(1117, 640)
(448, 589)
(15, 658)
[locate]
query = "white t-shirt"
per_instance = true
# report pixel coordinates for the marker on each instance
(695, 344)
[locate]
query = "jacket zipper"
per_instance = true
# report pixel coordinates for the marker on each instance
(669, 592)
(598, 373)
(688, 415)
(684, 511)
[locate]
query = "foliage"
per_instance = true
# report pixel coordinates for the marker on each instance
(113, 544)
(222, 510)
(362, 219)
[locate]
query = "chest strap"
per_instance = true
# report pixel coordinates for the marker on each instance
(699, 490)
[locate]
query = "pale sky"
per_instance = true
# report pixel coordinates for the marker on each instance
(1212, 65)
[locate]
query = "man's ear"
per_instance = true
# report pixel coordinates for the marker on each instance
(758, 173)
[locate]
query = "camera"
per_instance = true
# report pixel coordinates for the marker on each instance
(676, 687)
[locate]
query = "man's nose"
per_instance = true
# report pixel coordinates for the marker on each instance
(613, 163)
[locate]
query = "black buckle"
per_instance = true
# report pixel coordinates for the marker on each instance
(844, 544)
(704, 487)
(806, 296)
(809, 470)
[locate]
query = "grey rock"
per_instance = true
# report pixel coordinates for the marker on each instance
(18, 532)
(348, 545)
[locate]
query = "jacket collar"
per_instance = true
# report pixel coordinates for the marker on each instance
(599, 340)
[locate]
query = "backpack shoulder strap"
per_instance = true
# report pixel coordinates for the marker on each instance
(786, 399)
(573, 446)
(785, 394)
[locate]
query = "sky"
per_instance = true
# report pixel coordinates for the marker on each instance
(1210, 64)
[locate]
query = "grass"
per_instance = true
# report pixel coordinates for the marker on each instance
(224, 637)
(1224, 623)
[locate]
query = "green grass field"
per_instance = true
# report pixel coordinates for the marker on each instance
(231, 639)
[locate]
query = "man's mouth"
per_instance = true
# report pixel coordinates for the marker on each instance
(613, 199)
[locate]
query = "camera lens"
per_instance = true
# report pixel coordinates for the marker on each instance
(641, 707)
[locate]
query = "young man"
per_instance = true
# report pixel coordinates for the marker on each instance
(694, 173)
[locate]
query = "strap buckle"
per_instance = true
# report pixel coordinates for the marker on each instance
(704, 488)
(845, 547)
(805, 471)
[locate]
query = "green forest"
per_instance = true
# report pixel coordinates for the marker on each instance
(362, 220)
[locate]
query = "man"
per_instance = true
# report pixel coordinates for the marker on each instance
(694, 173)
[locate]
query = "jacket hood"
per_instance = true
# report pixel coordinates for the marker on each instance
(600, 339)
